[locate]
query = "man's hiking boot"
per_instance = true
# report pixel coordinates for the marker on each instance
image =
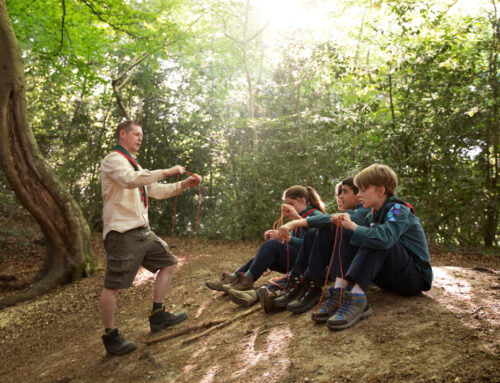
(294, 288)
(116, 345)
(242, 282)
(354, 309)
(267, 298)
(160, 319)
(225, 279)
(243, 298)
(330, 306)
(311, 293)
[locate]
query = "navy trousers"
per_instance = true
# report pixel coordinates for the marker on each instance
(271, 255)
(393, 269)
(302, 262)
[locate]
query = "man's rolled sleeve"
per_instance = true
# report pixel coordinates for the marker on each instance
(160, 191)
(118, 168)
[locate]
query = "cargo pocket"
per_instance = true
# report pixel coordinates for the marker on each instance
(119, 271)
(158, 255)
(121, 264)
(163, 244)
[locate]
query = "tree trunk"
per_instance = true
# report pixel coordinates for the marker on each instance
(67, 236)
(251, 113)
(490, 150)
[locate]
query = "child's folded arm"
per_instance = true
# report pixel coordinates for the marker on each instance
(382, 236)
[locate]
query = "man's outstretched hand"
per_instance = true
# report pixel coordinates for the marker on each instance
(191, 181)
(173, 171)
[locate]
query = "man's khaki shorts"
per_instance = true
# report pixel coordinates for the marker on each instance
(126, 252)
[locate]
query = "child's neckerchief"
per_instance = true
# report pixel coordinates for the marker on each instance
(378, 216)
(120, 149)
(304, 214)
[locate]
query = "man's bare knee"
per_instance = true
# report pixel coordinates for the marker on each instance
(168, 269)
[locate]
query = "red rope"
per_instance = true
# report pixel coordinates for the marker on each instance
(338, 228)
(175, 211)
(175, 214)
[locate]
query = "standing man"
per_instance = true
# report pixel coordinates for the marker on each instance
(128, 240)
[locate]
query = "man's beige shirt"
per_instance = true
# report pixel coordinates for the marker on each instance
(123, 208)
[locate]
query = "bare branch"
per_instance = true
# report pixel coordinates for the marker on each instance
(62, 27)
(131, 67)
(119, 82)
(258, 32)
(119, 101)
(98, 14)
(228, 35)
(193, 23)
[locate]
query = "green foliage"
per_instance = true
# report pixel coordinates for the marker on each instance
(411, 85)
(14, 233)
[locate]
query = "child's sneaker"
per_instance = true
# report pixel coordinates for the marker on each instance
(160, 319)
(354, 309)
(116, 345)
(225, 279)
(330, 306)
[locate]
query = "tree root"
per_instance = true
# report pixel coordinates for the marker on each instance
(41, 287)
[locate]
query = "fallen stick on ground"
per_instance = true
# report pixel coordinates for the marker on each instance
(185, 331)
(220, 325)
(149, 356)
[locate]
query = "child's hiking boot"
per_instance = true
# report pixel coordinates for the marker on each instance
(293, 290)
(354, 309)
(225, 279)
(280, 283)
(267, 298)
(161, 319)
(243, 298)
(309, 297)
(116, 345)
(242, 282)
(330, 306)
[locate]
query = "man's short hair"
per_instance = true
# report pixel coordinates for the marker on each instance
(126, 126)
(349, 181)
(377, 175)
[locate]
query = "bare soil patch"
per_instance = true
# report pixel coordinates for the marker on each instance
(449, 334)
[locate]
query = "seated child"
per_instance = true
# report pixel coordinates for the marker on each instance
(387, 246)
(269, 292)
(275, 254)
(305, 288)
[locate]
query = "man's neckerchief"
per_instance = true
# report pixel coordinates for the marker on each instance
(377, 216)
(120, 149)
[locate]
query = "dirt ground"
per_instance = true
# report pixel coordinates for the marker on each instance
(449, 334)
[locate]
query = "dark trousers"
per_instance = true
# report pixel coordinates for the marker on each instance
(392, 269)
(271, 255)
(320, 248)
(302, 261)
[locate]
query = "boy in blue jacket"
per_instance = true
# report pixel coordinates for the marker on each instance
(386, 246)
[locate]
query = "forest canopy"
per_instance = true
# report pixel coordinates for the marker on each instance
(259, 95)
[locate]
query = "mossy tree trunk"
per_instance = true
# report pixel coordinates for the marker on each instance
(67, 235)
